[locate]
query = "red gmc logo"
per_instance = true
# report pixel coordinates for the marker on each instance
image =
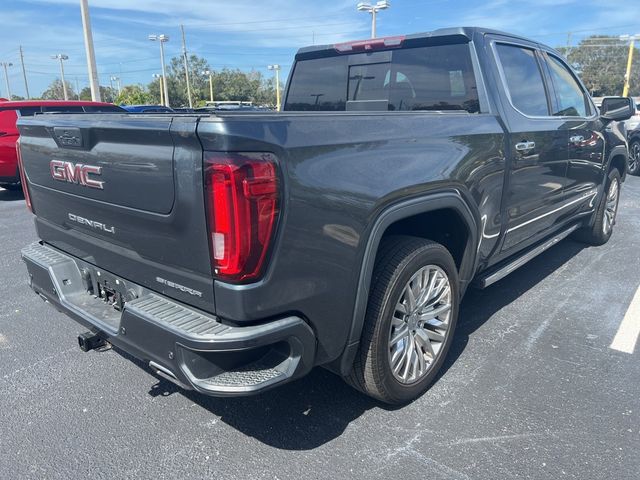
(76, 173)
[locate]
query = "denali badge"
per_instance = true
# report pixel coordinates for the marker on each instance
(92, 223)
(177, 286)
(76, 173)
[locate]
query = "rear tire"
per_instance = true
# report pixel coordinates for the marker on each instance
(633, 164)
(606, 214)
(14, 187)
(410, 320)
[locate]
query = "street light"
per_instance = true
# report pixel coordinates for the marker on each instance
(159, 77)
(162, 38)
(276, 67)
(5, 65)
(373, 10)
(632, 40)
(62, 57)
(117, 80)
(210, 74)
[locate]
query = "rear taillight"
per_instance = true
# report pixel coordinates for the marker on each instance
(23, 178)
(242, 207)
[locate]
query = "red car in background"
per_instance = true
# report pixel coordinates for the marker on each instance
(9, 114)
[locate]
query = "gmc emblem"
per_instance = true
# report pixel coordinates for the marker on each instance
(76, 173)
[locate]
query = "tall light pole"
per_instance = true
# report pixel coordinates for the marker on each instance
(162, 38)
(94, 83)
(62, 57)
(118, 85)
(160, 84)
(5, 65)
(373, 10)
(632, 43)
(276, 67)
(210, 74)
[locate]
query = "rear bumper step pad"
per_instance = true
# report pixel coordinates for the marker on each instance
(190, 347)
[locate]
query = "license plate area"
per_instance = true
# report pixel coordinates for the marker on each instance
(95, 294)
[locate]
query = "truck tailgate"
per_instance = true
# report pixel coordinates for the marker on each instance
(125, 193)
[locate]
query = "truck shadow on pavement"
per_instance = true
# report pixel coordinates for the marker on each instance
(318, 408)
(10, 195)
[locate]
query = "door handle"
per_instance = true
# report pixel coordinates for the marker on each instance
(524, 146)
(576, 139)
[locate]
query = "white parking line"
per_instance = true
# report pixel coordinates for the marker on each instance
(628, 331)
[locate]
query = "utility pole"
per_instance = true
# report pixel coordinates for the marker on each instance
(77, 89)
(62, 57)
(162, 38)
(210, 74)
(24, 73)
(277, 70)
(160, 83)
(6, 77)
(373, 10)
(186, 66)
(632, 43)
(91, 54)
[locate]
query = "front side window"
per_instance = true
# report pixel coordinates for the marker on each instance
(524, 80)
(571, 100)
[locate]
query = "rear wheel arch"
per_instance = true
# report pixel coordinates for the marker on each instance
(396, 219)
(618, 159)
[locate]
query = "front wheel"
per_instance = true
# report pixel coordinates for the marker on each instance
(410, 320)
(606, 214)
(633, 164)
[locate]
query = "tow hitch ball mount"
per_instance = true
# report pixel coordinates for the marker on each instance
(90, 341)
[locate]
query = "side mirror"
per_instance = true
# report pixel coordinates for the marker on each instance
(617, 109)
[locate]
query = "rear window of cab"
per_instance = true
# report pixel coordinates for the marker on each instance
(436, 77)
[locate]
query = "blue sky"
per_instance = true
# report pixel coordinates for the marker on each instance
(249, 34)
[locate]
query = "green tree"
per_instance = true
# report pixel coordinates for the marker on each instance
(601, 62)
(134, 95)
(56, 92)
(228, 84)
(177, 83)
(107, 94)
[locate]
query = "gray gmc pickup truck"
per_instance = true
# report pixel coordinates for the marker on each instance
(233, 252)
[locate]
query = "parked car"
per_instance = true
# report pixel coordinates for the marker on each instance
(634, 151)
(9, 114)
(147, 109)
(233, 252)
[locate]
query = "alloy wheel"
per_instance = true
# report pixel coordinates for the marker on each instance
(634, 157)
(420, 324)
(611, 207)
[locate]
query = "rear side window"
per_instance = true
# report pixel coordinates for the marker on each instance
(524, 80)
(29, 111)
(103, 109)
(424, 78)
(571, 100)
(63, 109)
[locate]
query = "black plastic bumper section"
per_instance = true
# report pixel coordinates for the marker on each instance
(192, 348)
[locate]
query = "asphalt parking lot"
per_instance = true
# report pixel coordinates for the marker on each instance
(531, 389)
